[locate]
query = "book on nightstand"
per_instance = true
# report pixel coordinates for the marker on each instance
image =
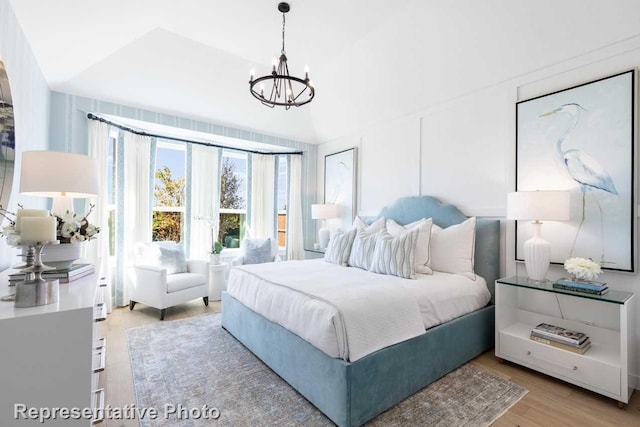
(581, 349)
(589, 287)
(558, 334)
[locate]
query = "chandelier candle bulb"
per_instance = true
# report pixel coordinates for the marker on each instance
(274, 62)
(251, 74)
(306, 72)
(38, 229)
(24, 213)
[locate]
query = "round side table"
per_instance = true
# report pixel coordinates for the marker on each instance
(217, 280)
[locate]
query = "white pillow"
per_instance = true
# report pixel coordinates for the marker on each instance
(362, 250)
(376, 225)
(422, 251)
(339, 247)
(452, 248)
(165, 254)
(395, 255)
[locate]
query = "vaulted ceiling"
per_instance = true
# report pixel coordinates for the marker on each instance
(370, 60)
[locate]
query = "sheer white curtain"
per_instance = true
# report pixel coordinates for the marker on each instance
(97, 251)
(295, 244)
(263, 169)
(205, 199)
(137, 201)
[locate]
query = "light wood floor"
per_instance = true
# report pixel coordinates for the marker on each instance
(550, 402)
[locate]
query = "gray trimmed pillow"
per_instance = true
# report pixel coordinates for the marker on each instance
(453, 248)
(257, 251)
(395, 255)
(339, 247)
(362, 249)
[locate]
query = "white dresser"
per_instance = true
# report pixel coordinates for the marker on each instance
(51, 355)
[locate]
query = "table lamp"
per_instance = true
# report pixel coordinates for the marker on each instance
(63, 176)
(538, 206)
(324, 212)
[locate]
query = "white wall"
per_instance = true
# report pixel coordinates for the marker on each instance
(466, 149)
(31, 108)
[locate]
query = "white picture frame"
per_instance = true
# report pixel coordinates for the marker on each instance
(340, 184)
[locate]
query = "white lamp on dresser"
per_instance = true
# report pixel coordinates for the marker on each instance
(63, 176)
(324, 212)
(538, 206)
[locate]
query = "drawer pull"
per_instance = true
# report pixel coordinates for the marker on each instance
(101, 356)
(98, 404)
(100, 343)
(99, 312)
(570, 368)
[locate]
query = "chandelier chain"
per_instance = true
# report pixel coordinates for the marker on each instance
(282, 51)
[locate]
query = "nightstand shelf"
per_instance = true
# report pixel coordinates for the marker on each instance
(608, 320)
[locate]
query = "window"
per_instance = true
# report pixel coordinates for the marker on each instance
(169, 192)
(233, 198)
(282, 200)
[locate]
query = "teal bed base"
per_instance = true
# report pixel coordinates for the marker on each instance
(349, 393)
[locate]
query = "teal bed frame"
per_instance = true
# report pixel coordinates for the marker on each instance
(349, 393)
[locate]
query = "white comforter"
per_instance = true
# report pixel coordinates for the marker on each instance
(349, 312)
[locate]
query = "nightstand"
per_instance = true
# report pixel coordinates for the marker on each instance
(217, 280)
(314, 253)
(609, 320)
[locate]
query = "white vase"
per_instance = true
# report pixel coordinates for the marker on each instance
(61, 256)
(215, 259)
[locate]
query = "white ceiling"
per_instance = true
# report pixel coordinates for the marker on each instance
(370, 60)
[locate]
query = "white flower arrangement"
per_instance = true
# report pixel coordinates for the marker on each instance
(216, 246)
(73, 228)
(582, 268)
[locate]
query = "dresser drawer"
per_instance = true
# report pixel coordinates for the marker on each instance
(576, 368)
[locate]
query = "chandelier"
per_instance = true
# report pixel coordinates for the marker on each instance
(285, 90)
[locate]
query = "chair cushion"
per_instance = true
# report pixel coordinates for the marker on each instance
(181, 281)
(168, 255)
(258, 251)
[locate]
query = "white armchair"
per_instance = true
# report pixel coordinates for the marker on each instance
(256, 250)
(162, 277)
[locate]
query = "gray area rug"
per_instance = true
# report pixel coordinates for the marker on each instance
(194, 362)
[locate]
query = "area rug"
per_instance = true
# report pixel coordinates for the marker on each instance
(194, 363)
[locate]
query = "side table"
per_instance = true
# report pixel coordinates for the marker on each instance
(217, 280)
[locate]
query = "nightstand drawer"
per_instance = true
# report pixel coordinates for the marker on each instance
(576, 368)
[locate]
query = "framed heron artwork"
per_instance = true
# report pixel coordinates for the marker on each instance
(582, 139)
(340, 184)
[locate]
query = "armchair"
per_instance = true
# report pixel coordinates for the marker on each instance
(256, 250)
(162, 277)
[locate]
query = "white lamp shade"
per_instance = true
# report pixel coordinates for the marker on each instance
(538, 205)
(324, 211)
(54, 173)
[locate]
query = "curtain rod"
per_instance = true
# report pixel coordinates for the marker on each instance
(91, 116)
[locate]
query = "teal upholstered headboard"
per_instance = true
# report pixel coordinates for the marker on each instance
(487, 251)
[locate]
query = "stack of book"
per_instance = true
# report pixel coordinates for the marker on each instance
(63, 275)
(589, 287)
(565, 339)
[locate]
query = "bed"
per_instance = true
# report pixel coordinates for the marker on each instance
(353, 392)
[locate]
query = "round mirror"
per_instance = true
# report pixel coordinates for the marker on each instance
(7, 139)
